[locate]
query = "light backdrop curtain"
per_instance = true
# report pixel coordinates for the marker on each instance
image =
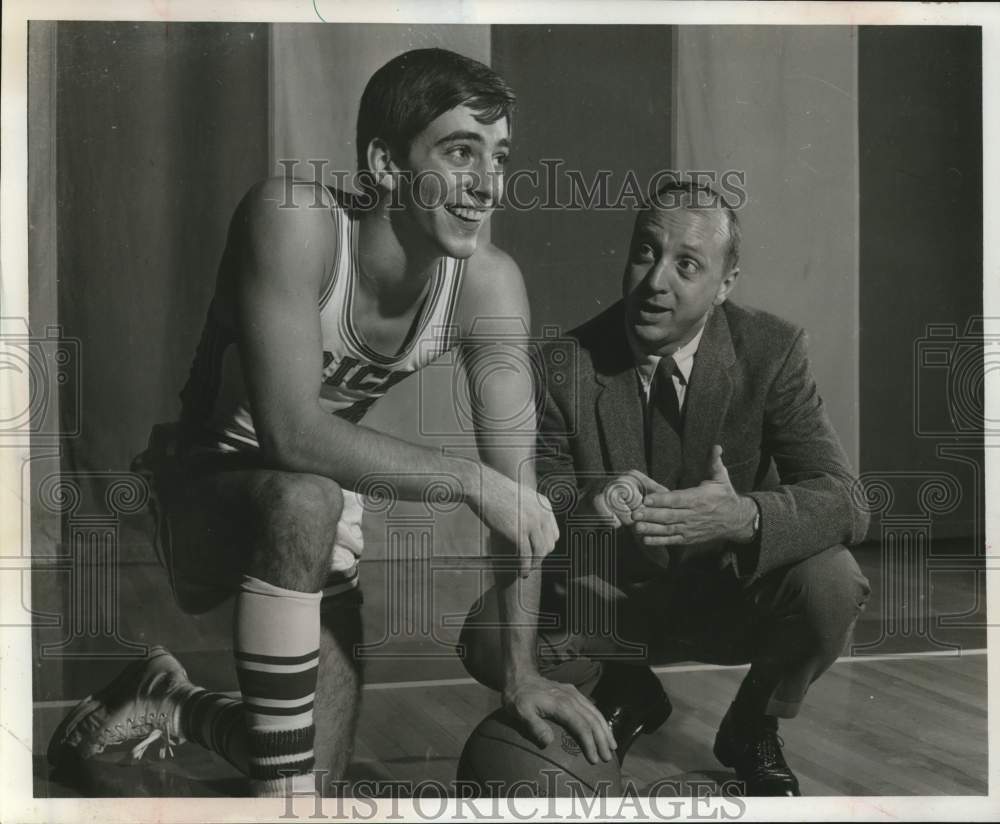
(780, 105)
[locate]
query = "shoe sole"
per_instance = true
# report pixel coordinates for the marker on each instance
(59, 751)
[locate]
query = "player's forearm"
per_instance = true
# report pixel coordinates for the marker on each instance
(518, 597)
(519, 602)
(354, 455)
(508, 448)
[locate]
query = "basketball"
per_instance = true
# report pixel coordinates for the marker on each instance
(499, 761)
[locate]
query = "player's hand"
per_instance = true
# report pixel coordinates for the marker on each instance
(532, 700)
(521, 515)
(709, 513)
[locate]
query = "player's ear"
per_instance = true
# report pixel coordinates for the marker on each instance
(380, 162)
(728, 282)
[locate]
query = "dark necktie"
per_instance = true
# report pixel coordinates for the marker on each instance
(666, 422)
(663, 393)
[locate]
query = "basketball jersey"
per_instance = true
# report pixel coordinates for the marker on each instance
(215, 406)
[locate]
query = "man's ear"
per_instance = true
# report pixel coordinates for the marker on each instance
(728, 282)
(381, 163)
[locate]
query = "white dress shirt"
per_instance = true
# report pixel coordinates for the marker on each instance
(645, 366)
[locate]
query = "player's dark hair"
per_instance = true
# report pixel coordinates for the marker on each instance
(411, 90)
(689, 193)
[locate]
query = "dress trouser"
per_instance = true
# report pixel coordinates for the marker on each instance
(790, 625)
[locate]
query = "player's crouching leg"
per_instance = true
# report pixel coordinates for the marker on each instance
(277, 625)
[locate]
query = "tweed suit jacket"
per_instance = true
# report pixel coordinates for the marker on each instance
(752, 391)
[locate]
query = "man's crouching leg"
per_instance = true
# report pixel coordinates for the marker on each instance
(806, 614)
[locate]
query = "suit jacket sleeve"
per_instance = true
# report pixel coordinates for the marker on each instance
(813, 507)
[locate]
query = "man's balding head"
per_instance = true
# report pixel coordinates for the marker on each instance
(683, 261)
(682, 192)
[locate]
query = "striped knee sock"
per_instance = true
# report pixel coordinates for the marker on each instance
(214, 720)
(277, 655)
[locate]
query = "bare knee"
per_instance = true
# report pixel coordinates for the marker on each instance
(297, 518)
(311, 501)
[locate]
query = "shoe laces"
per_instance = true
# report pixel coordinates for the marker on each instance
(166, 747)
(149, 724)
(766, 748)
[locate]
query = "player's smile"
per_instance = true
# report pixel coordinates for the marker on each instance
(472, 216)
(458, 163)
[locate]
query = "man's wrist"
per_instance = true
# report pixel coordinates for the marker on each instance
(515, 673)
(749, 521)
(517, 669)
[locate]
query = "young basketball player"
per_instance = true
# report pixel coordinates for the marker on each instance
(320, 307)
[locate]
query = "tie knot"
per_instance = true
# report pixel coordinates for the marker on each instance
(664, 393)
(667, 368)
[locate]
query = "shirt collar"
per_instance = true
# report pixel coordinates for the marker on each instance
(683, 357)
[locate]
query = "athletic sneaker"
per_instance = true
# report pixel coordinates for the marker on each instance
(143, 702)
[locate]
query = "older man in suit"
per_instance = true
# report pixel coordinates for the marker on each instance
(705, 499)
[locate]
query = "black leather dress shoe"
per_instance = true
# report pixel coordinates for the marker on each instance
(754, 751)
(633, 701)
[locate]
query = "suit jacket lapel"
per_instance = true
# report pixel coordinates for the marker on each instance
(619, 410)
(707, 397)
(619, 413)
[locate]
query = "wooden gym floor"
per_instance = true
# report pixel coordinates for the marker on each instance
(906, 717)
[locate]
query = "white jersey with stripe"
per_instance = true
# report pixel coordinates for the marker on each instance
(216, 410)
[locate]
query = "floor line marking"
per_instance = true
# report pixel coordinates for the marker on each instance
(664, 668)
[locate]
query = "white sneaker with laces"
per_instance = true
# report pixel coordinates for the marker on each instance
(143, 702)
